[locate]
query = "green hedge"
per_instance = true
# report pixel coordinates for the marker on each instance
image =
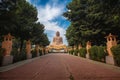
(2, 50)
(116, 53)
(71, 52)
(97, 53)
(17, 56)
(40, 51)
(34, 53)
(76, 52)
(82, 52)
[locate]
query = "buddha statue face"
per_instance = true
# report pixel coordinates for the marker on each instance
(57, 33)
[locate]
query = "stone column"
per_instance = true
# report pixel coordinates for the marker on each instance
(88, 46)
(46, 50)
(79, 47)
(111, 41)
(7, 45)
(28, 49)
(42, 51)
(37, 49)
(74, 49)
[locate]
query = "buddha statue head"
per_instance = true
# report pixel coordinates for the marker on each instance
(57, 33)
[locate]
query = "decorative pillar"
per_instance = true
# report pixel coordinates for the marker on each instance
(111, 41)
(74, 49)
(88, 46)
(7, 45)
(42, 51)
(46, 50)
(37, 49)
(79, 46)
(28, 49)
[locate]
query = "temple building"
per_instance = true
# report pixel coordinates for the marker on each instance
(57, 44)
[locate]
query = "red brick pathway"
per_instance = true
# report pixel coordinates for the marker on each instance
(61, 67)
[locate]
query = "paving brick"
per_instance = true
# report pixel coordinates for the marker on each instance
(62, 67)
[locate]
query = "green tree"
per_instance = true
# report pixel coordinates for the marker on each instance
(7, 12)
(39, 37)
(26, 16)
(94, 19)
(22, 23)
(70, 35)
(77, 15)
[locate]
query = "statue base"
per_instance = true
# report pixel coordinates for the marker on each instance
(110, 60)
(79, 54)
(29, 56)
(57, 51)
(87, 56)
(8, 59)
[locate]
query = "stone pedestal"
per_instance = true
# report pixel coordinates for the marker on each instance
(87, 56)
(8, 59)
(29, 56)
(110, 60)
(79, 54)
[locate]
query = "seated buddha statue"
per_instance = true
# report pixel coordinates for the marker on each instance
(57, 40)
(57, 43)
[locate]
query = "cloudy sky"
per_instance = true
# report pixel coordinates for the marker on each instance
(50, 14)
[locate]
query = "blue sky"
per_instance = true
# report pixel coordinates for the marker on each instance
(50, 14)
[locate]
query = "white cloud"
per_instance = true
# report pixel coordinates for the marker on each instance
(49, 12)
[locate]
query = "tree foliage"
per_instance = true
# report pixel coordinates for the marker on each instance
(7, 12)
(93, 19)
(21, 21)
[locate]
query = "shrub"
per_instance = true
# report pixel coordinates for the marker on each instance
(97, 53)
(34, 53)
(23, 55)
(17, 56)
(76, 52)
(82, 52)
(101, 54)
(40, 51)
(116, 53)
(2, 50)
(71, 52)
(93, 53)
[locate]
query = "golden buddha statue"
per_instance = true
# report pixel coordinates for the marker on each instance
(57, 42)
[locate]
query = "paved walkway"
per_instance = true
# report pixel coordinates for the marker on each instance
(62, 67)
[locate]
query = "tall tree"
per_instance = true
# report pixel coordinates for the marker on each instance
(21, 21)
(39, 37)
(93, 19)
(77, 15)
(26, 16)
(7, 12)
